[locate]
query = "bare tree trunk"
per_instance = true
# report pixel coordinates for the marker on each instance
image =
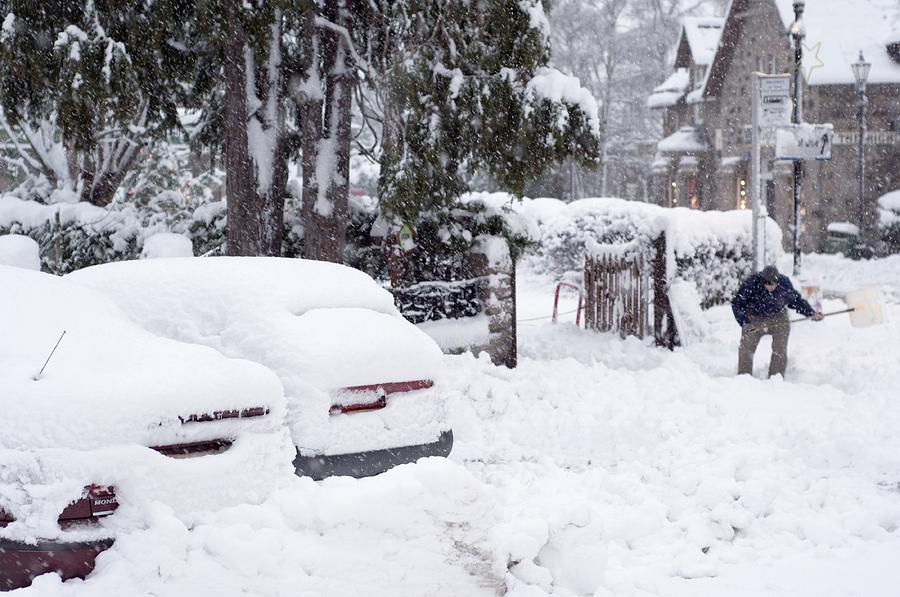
(311, 101)
(243, 212)
(341, 82)
(269, 146)
(328, 163)
(273, 202)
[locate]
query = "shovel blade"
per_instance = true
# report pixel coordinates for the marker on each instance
(866, 305)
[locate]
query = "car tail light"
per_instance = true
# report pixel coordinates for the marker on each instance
(194, 449)
(374, 397)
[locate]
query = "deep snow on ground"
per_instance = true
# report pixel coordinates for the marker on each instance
(597, 467)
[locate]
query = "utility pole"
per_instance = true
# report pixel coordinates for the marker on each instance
(861, 74)
(798, 32)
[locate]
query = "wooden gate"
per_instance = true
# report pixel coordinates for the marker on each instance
(616, 287)
(626, 291)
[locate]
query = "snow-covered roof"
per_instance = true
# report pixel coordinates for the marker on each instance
(696, 96)
(836, 31)
(685, 140)
(670, 91)
(731, 161)
(702, 35)
(661, 163)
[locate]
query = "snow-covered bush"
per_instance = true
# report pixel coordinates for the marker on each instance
(712, 249)
(19, 251)
(76, 235)
(889, 220)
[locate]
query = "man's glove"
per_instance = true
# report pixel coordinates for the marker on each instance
(818, 316)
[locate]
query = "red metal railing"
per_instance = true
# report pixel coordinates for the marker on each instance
(559, 286)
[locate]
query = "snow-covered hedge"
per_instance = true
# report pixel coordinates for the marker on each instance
(76, 235)
(712, 249)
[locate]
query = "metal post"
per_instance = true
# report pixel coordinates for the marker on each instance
(759, 249)
(863, 100)
(797, 32)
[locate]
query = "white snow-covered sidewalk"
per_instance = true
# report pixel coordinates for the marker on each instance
(597, 467)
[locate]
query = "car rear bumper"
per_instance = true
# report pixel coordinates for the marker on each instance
(367, 464)
(21, 562)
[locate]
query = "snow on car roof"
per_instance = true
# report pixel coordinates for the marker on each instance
(110, 381)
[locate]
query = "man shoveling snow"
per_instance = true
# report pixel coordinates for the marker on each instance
(760, 307)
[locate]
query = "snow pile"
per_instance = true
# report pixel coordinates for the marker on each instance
(689, 319)
(19, 251)
(167, 244)
(319, 326)
(599, 466)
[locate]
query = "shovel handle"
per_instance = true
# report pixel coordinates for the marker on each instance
(826, 314)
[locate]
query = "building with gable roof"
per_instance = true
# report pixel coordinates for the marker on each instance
(676, 167)
(715, 113)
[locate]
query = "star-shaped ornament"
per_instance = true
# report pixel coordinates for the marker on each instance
(812, 51)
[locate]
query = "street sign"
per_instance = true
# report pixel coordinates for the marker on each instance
(804, 142)
(774, 100)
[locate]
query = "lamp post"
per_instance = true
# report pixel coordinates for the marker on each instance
(861, 74)
(798, 32)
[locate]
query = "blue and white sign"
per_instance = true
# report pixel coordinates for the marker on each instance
(804, 142)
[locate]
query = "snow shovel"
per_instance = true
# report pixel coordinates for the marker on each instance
(862, 305)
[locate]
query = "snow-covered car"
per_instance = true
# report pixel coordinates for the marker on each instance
(362, 383)
(118, 419)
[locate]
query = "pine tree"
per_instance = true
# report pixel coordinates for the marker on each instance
(84, 85)
(470, 91)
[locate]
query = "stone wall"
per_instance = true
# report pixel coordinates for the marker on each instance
(490, 260)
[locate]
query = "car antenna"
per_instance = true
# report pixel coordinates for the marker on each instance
(41, 372)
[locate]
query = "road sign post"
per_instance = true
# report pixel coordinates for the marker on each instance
(771, 109)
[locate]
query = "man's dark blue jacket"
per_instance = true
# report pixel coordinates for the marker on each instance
(754, 300)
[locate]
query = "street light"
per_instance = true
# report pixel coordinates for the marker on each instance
(798, 32)
(861, 74)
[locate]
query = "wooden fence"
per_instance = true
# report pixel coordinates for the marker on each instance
(626, 292)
